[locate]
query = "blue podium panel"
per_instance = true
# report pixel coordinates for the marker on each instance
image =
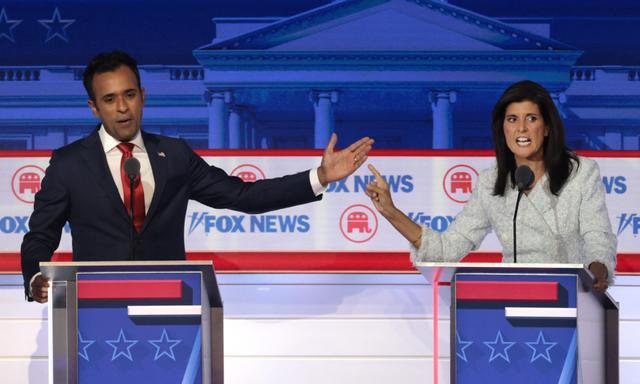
(139, 327)
(514, 328)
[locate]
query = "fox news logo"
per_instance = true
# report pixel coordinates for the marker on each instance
(14, 224)
(19, 225)
(358, 223)
(248, 173)
(629, 221)
(459, 181)
(437, 223)
(614, 184)
(26, 183)
(209, 223)
(358, 183)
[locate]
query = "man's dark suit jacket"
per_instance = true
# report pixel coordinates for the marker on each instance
(78, 188)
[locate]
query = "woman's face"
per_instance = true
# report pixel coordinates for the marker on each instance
(524, 131)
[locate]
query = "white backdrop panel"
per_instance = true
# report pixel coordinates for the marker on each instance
(432, 190)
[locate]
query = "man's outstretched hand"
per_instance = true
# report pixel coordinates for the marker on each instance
(337, 165)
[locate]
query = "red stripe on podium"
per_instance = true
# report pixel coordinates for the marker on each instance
(129, 289)
(507, 290)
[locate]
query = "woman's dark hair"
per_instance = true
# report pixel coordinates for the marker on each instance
(107, 62)
(556, 156)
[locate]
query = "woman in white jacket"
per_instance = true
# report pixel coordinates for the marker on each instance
(563, 212)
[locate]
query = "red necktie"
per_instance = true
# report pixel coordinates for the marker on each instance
(138, 192)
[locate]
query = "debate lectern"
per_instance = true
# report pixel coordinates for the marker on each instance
(526, 323)
(134, 322)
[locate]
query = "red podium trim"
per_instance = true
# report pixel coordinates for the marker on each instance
(507, 290)
(129, 289)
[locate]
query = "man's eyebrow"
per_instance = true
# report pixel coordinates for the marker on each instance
(111, 94)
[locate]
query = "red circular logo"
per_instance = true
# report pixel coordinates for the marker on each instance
(25, 183)
(248, 172)
(358, 223)
(459, 181)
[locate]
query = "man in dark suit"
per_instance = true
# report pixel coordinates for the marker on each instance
(86, 184)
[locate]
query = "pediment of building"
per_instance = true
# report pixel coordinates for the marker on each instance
(388, 25)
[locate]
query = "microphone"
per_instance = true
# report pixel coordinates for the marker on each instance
(524, 177)
(132, 170)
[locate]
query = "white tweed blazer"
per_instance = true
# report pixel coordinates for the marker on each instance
(572, 227)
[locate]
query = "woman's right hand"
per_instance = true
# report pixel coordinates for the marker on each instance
(378, 192)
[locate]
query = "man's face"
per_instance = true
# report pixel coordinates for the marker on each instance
(118, 102)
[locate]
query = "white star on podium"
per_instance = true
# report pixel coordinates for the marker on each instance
(501, 346)
(121, 346)
(83, 345)
(165, 345)
(541, 345)
(462, 345)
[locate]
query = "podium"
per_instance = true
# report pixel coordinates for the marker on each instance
(134, 322)
(526, 323)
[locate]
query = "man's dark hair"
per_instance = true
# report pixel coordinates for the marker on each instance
(556, 156)
(107, 62)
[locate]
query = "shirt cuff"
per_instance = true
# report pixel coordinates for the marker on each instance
(31, 282)
(317, 188)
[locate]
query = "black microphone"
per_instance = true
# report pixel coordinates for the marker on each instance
(132, 170)
(524, 177)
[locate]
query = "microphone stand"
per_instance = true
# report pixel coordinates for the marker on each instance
(132, 233)
(523, 177)
(515, 214)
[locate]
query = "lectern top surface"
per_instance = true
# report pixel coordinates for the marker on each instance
(499, 265)
(141, 263)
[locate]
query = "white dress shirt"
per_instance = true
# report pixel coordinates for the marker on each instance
(114, 157)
